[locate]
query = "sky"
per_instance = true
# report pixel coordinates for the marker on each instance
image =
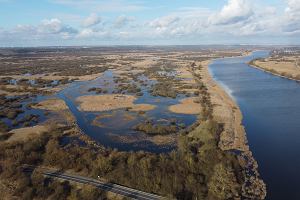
(148, 22)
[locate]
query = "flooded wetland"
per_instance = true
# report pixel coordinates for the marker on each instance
(113, 108)
(126, 115)
(148, 100)
(131, 101)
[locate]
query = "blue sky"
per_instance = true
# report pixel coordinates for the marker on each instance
(152, 22)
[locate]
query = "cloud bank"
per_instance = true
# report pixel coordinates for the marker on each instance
(237, 21)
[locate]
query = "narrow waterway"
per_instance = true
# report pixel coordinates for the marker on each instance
(271, 116)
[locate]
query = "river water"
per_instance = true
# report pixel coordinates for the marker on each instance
(271, 115)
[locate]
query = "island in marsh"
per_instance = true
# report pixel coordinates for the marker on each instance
(111, 102)
(189, 105)
(284, 62)
(133, 97)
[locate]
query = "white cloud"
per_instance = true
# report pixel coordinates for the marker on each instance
(24, 28)
(164, 22)
(102, 5)
(233, 12)
(236, 19)
(85, 33)
(54, 26)
(91, 20)
(291, 19)
(89, 33)
(293, 6)
(48, 30)
(186, 22)
(50, 26)
(122, 21)
(124, 34)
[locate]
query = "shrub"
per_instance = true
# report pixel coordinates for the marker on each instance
(12, 114)
(155, 129)
(3, 127)
(163, 90)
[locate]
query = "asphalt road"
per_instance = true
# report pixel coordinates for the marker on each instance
(111, 187)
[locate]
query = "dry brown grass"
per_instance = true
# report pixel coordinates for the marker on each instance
(105, 102)
(157, 139)
(110, 102)
(187, 106)
(286, 66)
(225, 110)
(142, 107)
(52, 104)
(23, 134)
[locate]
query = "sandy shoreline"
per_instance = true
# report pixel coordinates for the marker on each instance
(233, 137)
(225, 111)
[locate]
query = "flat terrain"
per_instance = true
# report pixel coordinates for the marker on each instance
(187, 106)
(285, 65)
(111, 102)
(24, 134)
(51, 104)
(149, 118)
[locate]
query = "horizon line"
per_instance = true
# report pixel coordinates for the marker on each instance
(148, 45)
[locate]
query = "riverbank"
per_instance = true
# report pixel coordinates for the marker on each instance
(233, 138)
(277, 68)
(225, 111)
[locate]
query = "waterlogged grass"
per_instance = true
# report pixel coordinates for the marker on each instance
(198, 169)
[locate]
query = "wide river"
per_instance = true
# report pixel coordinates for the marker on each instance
(271, 116)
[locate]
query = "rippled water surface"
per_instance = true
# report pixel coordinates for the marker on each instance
(271, 116)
